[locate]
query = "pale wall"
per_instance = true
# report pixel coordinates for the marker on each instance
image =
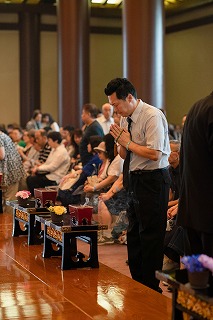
(188, 70)
(9, 77)
(106, 63)
(49, 74)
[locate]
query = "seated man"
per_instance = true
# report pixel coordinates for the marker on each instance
(41, 140)
(54, 168)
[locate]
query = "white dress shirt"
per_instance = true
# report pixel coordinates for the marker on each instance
(149, 128)
(105, 123)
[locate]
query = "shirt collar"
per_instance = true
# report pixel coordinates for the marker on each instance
(137, 111)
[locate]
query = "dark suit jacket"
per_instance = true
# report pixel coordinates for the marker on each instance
(196, 168)
(94, 129)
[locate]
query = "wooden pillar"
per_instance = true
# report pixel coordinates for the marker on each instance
(143, 48)
(73, 55)
(29, 65)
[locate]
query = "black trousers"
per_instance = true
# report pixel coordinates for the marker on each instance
(147, 214)
(38, 181)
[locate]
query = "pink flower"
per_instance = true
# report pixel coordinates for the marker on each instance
(24, 194)
(206, 261)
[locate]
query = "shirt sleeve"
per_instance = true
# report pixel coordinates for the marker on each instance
(155, 133)
(116, 167)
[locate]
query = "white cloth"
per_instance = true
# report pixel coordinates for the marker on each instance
(57, 164)
(105, 123)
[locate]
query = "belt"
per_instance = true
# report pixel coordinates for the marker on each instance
(148, 171)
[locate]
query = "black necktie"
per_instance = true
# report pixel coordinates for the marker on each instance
(127, 161)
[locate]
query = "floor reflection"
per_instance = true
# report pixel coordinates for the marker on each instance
(32, 287)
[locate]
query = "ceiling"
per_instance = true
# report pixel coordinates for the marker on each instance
(171, 6)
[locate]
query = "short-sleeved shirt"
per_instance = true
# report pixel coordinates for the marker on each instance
(105, 123)
(114, 168)
(149, 128)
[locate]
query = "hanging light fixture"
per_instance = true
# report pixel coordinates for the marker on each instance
(114, 2)
(98, 1)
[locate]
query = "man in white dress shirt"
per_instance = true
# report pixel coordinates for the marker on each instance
(106, 119)
(145, 148)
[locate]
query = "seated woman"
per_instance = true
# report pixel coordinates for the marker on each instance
(66, 196)
(109, 171)
(54, 168)
(48, 123)
(111, 208)
(30, 153)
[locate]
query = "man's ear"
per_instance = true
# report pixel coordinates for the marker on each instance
(129, 97)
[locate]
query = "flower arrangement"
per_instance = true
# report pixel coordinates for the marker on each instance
(59, 210)
(24, 194)
(199, 262)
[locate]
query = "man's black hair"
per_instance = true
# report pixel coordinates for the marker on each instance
(122, 87)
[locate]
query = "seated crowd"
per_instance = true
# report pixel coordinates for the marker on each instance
(85, 166)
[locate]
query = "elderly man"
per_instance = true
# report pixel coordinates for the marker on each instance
(106, 118)
(41, 140)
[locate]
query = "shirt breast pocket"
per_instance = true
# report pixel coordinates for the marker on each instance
(139, 137)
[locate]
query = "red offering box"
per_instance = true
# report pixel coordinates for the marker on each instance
(45, 195)
(81, 212)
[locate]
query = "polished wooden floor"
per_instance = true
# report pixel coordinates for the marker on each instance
(35, 288)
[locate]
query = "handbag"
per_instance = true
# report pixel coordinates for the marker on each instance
(92, 180)
(67, 184)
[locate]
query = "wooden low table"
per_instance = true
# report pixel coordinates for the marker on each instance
(186, 300)
(27, 217)
(65, 236)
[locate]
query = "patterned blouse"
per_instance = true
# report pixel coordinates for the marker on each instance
(11, 166)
